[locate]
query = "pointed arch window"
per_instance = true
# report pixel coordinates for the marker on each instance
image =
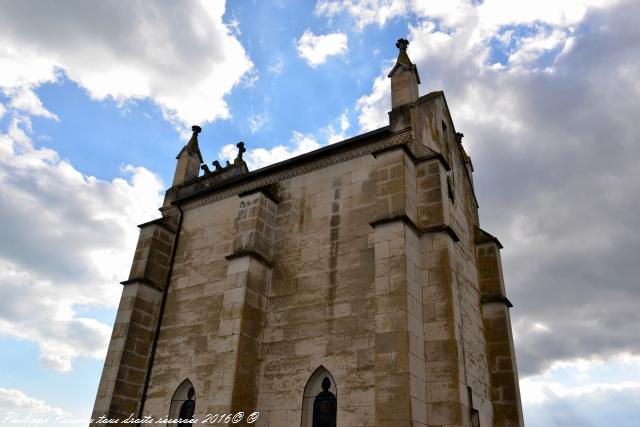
(183, 404)
(320, 402)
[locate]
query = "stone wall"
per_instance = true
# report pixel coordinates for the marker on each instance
(364, 263)
(320, 309)
(199, 335)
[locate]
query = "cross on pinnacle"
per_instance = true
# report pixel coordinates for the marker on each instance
(241, 150)
(402, 44)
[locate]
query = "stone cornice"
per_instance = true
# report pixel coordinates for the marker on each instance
(496, 299)
(161, 222)
(416, 158)
(267, 191)
(143, 281)
(439, 228)
(169, 211)
(253, 254)
(249, 183)
(484, 237)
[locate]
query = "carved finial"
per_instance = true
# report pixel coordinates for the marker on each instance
(192, 145)
(189, 160)
(459, 136)
(241, 150)
(403, 58)
(402, 44)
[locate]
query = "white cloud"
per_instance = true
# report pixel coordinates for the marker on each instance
(16, 402)
(250, 79)
(531, 48)
(24, 67)
(581, 377)
(496, 13)
(260, 157)
(234, 27)
(316, 49)
(373, 108)
(451, 13)
(71, 237)
(257, 121)
(594, 392)
(461, 41)
(25, 100)
(276, 67)
(300, 143)
(343, 124)
(486, 17)
(365, 12)
(183, 58)
(464, 28)
(537, 392)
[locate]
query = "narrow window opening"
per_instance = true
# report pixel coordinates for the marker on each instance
(474, 414)
(187, 409)
(444, 133)
(445, 142)
(183, 405)
(451, 189)
(319, 402)
(325, 406)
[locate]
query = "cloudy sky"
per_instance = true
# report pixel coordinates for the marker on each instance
(96, 99)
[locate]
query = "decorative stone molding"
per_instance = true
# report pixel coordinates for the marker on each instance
(279, 176)
(440, 228)
(484, 237)
(496, 298)
(169, 211)
(254, 254)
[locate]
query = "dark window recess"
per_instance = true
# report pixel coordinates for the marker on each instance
(450, 189)
(444, 133)
(183, 405)
(325, 407)
(475, 418)
(187, 409)
(474, 414)
(445, 142)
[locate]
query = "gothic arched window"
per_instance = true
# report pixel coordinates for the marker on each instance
(319, 402)
(183, 404)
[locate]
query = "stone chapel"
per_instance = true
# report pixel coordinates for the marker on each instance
(348, 286)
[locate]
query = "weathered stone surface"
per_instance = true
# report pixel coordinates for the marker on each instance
(121, 386)
(362, 258)
(505, 391)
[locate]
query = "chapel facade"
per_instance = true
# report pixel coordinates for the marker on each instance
(348, 286)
